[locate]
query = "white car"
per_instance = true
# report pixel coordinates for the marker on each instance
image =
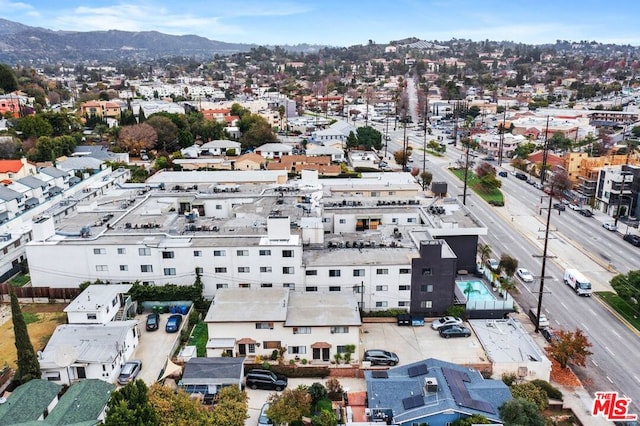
(524, 275)
(493, 264)
(610, 226)
(445, 321)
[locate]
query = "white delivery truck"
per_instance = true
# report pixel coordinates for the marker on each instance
(577, 282)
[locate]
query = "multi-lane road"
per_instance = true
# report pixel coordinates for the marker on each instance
(576, 241)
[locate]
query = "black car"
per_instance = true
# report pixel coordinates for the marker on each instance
(380, 357)
(153, 320)
(265, 379)
(549, 334)
(633, 239)
(521, 176)
(502, 173)
(454, 331)
(559, 207)
(586, 213)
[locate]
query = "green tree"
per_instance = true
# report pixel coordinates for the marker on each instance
(33, 126)
(520, 412)
(8, 80)
(324, 418)
(523, 150)
(258, 134)
(571, 346)
(636, 131)
(352, 140)
(484, 250)
(130, 406)
(531, 393)
(475, 419)
(317, 391)
(231, 407)
(369, 137)
(559, 142)
(426, 177)
(177, 407)
(28, 365)
(207, 130)
(289, 406)
(166, 132)
(627, 285)
(508, 264)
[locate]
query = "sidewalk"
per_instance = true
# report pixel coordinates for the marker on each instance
(581, 403)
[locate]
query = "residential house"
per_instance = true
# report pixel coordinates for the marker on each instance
(101, 153)
(16, 169)
(101, 304)
(220, 147)
(432, 392)
(29, 402)
(206, 376)
(336, 154)
(57, 180)
(106, 109)
(249, 161)
(80, 164)
(9, 104)
(274, 150)
(298, 163)
(11, 204)
(313, 326)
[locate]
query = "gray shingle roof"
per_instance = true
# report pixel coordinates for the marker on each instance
(204, 371)
(53, 172)
(32, 182)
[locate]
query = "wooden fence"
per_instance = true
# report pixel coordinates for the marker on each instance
(39, 294)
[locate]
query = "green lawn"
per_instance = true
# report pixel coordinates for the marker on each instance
(629, 312)
(19, 280)
(494, 195)
(199, 338)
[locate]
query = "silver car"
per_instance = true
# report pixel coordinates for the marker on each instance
(445, 322)
(524, 275)
(264, 420)
(129, 371)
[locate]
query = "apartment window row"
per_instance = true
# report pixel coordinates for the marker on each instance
(357, 272)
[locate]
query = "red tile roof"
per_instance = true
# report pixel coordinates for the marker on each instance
(10, 166)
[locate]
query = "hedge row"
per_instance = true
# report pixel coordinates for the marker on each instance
(291, 370)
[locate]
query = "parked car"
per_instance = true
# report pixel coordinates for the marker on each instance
(586, 213)
(524, 275)
(493, 264)
(549, 334)
(173, 323)
(633, 239)
(609, 226)
(574, 207)
(537, 185)
(264, 420)
(380, 357)
(153, 321)
(444, 321)
(502, 173)
(129, 371)
(531, 181)
(521, 176)
(265, 379)
(559, 207)
(455, 331)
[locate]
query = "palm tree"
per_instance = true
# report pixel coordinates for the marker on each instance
(484, 250)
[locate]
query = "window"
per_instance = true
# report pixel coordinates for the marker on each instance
(382, 304)
(334, 272)
(405, 271)
(122, 251)
(404, 287)
(272, 344)
(266, 269)
(102, 268)
(287, 253)
(297, 350)
(301, 330)
(358, 272)
(251, 348)
(146, 268)
(265, 252)
(394, 220)
(311, 288)
(53, 376)
(404, 303)
(334, 288)
(341, 349)
(167, 255)
(197, 253)
(221, 285)
(426, 304)
(145, 251)
(342, 221)
(218, 206)
(264, 326)
(219, 253)
(220, 270)
(266, 285)
(92, 316)
(99, 251)
(426, 271)
(291, 286)
(382, 288)
(242, 252)
(199, 270)
(382, 271)
(428, 288)
(310, 272)
(169, 271)
(288, 270)
(243, 269)
(341, 330)
(411, 220)
(244, 285)
(124, 268)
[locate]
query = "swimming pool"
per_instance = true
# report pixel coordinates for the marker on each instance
(475, 290)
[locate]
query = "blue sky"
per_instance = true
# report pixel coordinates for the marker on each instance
(343, 22)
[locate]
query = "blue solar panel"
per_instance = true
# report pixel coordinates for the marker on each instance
(413, 402)
(456, 380)
(417, 370)
(379, 374)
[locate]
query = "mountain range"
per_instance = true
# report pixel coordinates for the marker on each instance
(25, 44)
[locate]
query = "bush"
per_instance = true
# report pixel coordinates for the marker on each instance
(496, 203)
(291, 370)
(317, 391)
(334, 389)
(392, 313)
(551, 391)
(509, 378)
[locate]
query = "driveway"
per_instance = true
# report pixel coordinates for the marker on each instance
(155, 347)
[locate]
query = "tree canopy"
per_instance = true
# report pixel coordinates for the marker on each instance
(520, 412)
(130, 406)
(571, 346)
(627, 285)
(289, 406)
(28, 365)
(137, 137)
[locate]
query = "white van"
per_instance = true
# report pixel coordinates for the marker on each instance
(577, 282)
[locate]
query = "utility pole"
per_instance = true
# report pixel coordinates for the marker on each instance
(502, 130)
(466, 173)
(386, 131)
(544, 261)
(545, 153)
(424, 143)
